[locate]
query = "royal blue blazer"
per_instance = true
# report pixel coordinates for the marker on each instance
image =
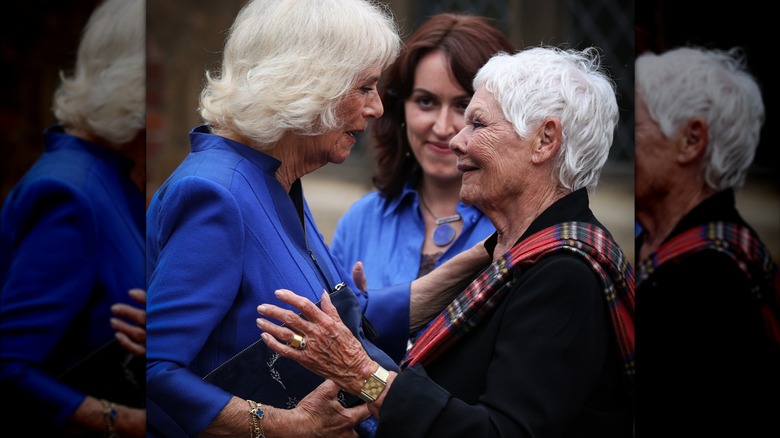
(222, 236)
(71, 245)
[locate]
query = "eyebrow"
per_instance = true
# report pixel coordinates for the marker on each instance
(427, 91)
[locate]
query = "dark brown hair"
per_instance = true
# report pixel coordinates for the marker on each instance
(468, 41)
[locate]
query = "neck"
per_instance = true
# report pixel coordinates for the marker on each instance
(661, 215)
(82, 134)
(290, 150)
(512, 219)
(441, 198)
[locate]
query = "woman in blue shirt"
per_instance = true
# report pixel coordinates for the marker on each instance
(71, 238)
(415, 221)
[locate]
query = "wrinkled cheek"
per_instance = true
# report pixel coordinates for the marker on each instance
(344, 154)
(469, 189)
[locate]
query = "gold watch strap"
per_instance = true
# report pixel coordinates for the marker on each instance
(374, 385)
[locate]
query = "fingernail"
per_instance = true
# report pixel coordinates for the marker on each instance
(280, 293)
(261, 308)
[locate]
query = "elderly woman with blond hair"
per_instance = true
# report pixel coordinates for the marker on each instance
(71, 244)
(231, 224)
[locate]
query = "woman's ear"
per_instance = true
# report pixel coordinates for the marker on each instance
(548, 140)
(693, 144)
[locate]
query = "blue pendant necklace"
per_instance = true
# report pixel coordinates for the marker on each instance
(444, 233)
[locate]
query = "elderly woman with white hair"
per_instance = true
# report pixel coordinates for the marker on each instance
(540, 343)
(708, 311)
(231, 225)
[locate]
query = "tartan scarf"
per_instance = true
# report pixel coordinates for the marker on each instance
(747, 251)
(486, 292)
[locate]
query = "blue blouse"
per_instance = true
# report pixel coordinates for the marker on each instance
(387, 235)
(71, 245)
(222, 236)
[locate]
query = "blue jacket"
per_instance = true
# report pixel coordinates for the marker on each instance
(222, 236)
(71, 245)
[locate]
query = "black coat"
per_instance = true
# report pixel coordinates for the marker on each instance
(543, 364)
(703, 363)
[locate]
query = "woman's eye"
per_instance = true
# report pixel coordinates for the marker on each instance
(366, 89)
(424, 102)
(476, 123)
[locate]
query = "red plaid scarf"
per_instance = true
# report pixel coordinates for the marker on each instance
(747, 251)
(485, 293)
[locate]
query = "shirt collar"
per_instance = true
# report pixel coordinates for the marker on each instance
(56, 138)
(201, 138)
(410, 196)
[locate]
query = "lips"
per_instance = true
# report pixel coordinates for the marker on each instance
(465, 167)
(440, 148)
(354, 133)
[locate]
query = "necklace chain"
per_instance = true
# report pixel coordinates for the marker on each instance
(445, 220)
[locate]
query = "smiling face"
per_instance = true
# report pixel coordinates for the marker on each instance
(361, 104)
(434, 114)
(492, 156)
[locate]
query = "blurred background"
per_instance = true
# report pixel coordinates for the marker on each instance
(37, 41)
(185, 37)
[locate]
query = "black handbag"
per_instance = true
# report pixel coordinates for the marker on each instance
(258, 373)
(110, 373)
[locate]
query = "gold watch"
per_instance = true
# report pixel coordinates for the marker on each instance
(374, 385)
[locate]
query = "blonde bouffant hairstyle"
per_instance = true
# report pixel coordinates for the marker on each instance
(287, 64)
(106, 93)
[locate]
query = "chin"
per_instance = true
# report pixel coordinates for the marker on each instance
(339, 160)
(465, 196)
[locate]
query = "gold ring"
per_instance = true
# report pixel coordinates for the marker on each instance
(298, 342)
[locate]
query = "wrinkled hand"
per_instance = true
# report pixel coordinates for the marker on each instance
(332, 351)
(132, 337)
(324, 416)
(359, 276)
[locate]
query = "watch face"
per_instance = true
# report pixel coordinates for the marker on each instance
(374, 387)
